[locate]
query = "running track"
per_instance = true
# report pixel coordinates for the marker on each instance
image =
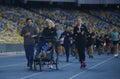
(100, 67)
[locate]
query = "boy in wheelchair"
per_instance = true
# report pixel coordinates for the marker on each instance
(46, 53)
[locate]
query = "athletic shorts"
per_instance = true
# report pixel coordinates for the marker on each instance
(115, 42)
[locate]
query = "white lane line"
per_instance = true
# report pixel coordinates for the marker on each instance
(10, 54)
(25, 77)
(76, 75)
(11, 65)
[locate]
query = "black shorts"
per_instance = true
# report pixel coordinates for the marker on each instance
(115, 42)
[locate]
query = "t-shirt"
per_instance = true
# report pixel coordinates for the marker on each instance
(115, 36)
(28, 39)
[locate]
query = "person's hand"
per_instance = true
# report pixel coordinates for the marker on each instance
(82, 32)
(33, 36)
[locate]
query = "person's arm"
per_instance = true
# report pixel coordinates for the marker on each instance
(49, 50)
(44, 33)
(74, 33)
(62, 35)
(35, 33)
(23, 33)
(55, 33)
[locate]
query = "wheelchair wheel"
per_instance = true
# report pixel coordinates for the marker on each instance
(40, 65)
(35, 65)
(57, 63)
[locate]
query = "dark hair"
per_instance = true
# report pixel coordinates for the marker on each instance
(28, 19)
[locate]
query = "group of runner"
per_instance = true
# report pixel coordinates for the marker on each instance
(83, 40)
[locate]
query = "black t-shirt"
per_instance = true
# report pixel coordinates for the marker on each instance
(49, 33)
(67, 36)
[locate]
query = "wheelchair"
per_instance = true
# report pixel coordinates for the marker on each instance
(46, 57)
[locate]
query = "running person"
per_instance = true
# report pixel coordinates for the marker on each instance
(90, 43)
(115, 39)
(108, 42)
(79, 35)
(67, 42)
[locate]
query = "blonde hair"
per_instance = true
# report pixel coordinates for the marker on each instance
(52, 24)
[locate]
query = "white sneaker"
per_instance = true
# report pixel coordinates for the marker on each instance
(50, 66)
(116, 55)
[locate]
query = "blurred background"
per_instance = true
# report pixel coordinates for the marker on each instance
(100, 15)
